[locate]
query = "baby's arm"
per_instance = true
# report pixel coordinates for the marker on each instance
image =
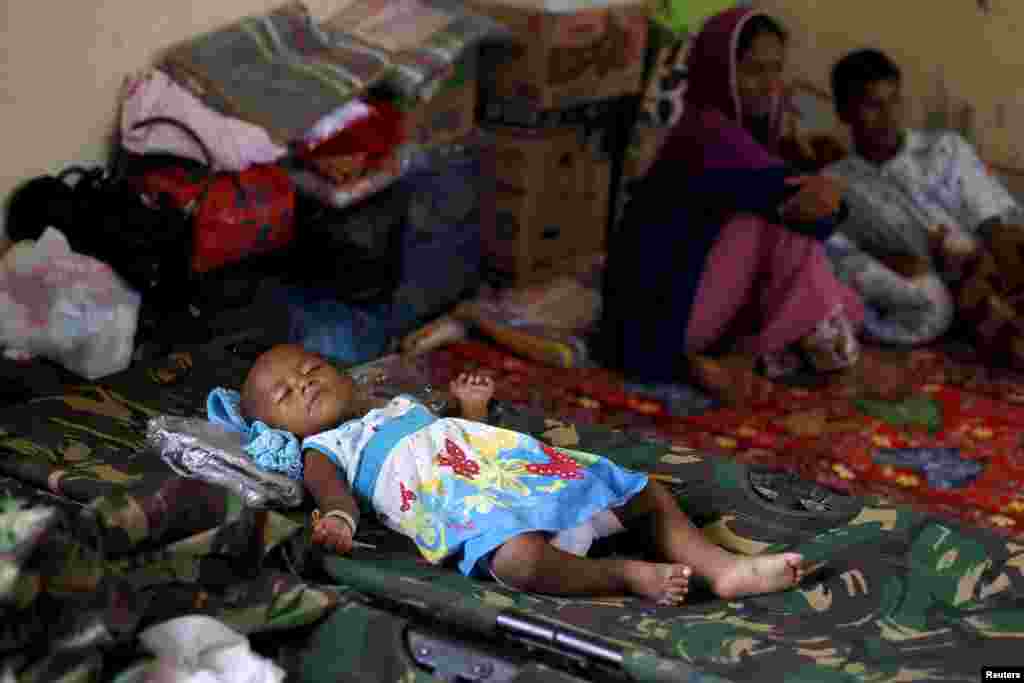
(330, 492)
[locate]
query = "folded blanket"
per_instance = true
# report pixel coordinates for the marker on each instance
(285, 72)
(423, 39)
(278, 71)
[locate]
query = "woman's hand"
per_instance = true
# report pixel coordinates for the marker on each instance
(819, 197)
(334, 535)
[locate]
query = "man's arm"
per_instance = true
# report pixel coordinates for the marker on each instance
(984, 202)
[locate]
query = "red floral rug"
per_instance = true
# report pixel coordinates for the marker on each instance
(931, 428)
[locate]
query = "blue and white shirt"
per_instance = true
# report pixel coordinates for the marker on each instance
(937, 178)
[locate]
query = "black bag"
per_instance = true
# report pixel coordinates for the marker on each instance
(147, 243)
(354, 253)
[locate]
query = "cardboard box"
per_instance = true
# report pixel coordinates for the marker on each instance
(500, 278)
(661, 106)
(552, 200)
(499, 111)
(450, 114)
(558, 60)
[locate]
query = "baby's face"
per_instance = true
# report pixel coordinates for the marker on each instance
(292, 389)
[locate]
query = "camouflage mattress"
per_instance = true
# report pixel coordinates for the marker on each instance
(904, 596)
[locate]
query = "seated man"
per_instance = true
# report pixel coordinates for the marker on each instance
(926, 197)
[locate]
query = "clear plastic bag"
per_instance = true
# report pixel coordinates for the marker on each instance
(67, 307)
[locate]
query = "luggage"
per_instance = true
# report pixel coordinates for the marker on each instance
(234, 214)
(353, 253)
(450, 200)
(146, 243)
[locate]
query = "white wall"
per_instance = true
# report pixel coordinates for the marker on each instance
(957, 57)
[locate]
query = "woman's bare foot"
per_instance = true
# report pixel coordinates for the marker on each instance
(731, 379)
(760, 574)
(666, 583)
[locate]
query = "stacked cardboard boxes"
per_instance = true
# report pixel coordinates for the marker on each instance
(450, 115)
(552, 101)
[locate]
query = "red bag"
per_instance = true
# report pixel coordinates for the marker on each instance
(235, 214)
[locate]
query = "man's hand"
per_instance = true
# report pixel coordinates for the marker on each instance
(334, 535)
(473, 392)
(1006, 241)
(819, 197)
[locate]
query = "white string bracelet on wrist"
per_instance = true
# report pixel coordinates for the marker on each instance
(340, 514)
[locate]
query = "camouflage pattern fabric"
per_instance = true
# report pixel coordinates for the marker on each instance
(99, 539)
(903, 597)
(71, 613)
(88, 444)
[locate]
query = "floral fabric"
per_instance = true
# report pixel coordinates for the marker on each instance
(463, 488)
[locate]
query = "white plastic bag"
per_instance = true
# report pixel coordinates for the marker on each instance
(67, 307)
(200, 649)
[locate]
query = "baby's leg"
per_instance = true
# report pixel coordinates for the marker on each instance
(679, 541)
(529, 562)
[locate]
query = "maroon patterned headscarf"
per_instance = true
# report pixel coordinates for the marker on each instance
(710, 134)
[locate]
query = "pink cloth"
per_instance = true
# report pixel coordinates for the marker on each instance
(234, 144)
(785, 277)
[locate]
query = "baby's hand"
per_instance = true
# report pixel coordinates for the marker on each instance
(473, 393)
(472, 387)
(334, 535)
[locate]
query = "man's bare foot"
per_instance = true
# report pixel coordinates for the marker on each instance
(666, 583)
(760, 574)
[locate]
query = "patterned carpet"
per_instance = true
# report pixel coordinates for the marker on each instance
(904, 596)
(933, 428)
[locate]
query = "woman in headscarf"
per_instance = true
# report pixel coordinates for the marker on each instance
(721, 249)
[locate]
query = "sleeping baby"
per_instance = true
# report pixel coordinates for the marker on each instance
(497, 502)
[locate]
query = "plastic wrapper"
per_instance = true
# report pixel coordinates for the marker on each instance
(357, 140)
(361, 186)
(67, 307)
(198, 449)
(406, 159)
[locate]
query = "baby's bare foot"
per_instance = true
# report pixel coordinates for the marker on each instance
(760, 574)
(666, 583)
